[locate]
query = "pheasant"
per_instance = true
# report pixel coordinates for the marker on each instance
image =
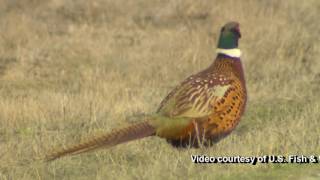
(203, 109)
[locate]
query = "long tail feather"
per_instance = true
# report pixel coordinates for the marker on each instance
(135, 131)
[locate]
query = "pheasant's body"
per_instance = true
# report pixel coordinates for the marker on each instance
(213, 100)
(202, 109)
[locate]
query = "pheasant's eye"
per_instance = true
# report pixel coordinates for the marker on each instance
(236, 31)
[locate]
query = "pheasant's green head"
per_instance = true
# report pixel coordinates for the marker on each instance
(229, 36)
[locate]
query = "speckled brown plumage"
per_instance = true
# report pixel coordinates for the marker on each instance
(216, 116)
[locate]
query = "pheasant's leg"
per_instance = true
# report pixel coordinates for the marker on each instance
(197, 132)
(204, 136)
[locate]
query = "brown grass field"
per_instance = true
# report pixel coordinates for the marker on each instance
(72, 69)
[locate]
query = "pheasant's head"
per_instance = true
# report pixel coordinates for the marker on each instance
(229, 36)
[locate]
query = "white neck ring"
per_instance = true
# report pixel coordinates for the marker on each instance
(236, 53)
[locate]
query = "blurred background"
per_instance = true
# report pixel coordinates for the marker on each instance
(70, 69)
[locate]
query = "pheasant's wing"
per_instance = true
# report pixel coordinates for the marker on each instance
(196, 96)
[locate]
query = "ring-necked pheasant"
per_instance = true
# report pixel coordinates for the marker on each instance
(204, 108)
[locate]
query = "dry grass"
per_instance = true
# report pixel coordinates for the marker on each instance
(73, 68)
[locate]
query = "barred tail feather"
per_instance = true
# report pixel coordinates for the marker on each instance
(135, 131)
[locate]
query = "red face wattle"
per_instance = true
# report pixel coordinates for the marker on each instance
(237, 31)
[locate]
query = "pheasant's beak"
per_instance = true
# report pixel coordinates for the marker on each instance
(237, 30)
